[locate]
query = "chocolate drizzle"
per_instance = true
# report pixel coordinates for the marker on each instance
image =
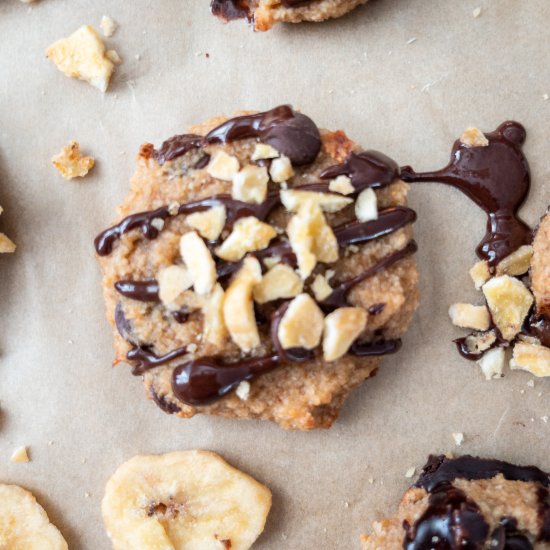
(144, 358)
(373, 349)
(143, 291)
(497, 178)
(231, 9)
(338, 297)
(207, 379)
(177, 146)
(453, 522)
(367, 169)
(539, 327)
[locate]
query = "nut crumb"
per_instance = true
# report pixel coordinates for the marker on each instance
(410, 472)
(473, 137)
(20, 455)
(458, 437)
(71, 163)
(243, 390)
(476, 12)
(108, 26)
(531, 383)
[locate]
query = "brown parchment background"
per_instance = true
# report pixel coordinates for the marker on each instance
(359, 73)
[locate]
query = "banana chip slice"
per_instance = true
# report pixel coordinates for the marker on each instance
(187, 500)
(24, 525)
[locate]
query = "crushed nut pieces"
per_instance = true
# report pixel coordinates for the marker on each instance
(71, 163)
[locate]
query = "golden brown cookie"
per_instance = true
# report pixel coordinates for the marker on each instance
(259, 268)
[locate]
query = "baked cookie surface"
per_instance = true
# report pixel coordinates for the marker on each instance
(259, 268)
(263, 14)
(472, 503)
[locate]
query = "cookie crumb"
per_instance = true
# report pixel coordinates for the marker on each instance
(20, 455)
(108, 26)
(458, 437)
(71, 163)
(410, 472)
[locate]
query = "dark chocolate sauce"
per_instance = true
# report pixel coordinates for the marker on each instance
(293, 134)
(497, 179)
(338, 297)
(539, 327)
(177, 146)
(144, 291)
(372, 349)
(462, 348)
(163, 403)
(451, 522)
(123, 324)
(207, 379)
(507, 537)
(376, 309)
(366, 169)
(143, 358)
(231, 9)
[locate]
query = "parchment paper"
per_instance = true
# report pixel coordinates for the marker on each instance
(363, 73)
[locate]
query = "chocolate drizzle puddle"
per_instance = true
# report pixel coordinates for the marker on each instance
(367, 169)
(143, 358)
(207, 379)
(497, 179)
(338, 297)
(455, 520)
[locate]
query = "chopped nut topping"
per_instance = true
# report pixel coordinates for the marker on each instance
(492, 363)
(173, 208)
(509, 301)
(215, 331)
(480, 274)
(293, 200)
(532, 358)
(7, 246)
(321, 288)
(473, 137)
(223, 166)
(479, 342)
(366, 206)
(516, 263)
(249, 234)
(342, 327)
(281, 281)
(172, 282)
(302, 324)
(71, 163)
(158, 223)
(250, 184)
(311, 238)
(342, 185)
(469, 316)
(20, 455)
(238, 306)
(108, 26)
(263, 151)
(82, 55)
(281, 169)
(243, 390)
(209, 223)
(199, 262)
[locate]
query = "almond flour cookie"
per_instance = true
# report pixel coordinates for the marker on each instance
(469, 503)
(263, 14)
(259, 268)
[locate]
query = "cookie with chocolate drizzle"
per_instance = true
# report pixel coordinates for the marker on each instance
(472, 503)
(263, 14)
(259, 268)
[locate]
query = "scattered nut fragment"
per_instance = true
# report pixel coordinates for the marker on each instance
(172, 282)
(70, 162)
(473, 137)
(108, 26)
(516, 263)
(459, 438)
(263, 151)
(20, 455)
(366, 206)
(250, 184)
(540, 266)
(476, 12)
(509, 301)
(249, 234)
(342, 185)
(469, 316)
(209, 223)
(113, 56)
(302, 324)
(6, 244)
(223, 166)
(410, 472)
(82, 55)
(215, 331)
(492, 363)
(281, 169)
(238, 306)
(478, 342)
(199, 262)
(321, 288)
(293, 200)
(243, 390)
(311, 238)
(480, 274)
(532, 358)
(281, 281)
(342, 327)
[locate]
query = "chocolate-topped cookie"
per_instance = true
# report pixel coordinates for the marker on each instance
(259, 268)
(471, 503)
(263, 14)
